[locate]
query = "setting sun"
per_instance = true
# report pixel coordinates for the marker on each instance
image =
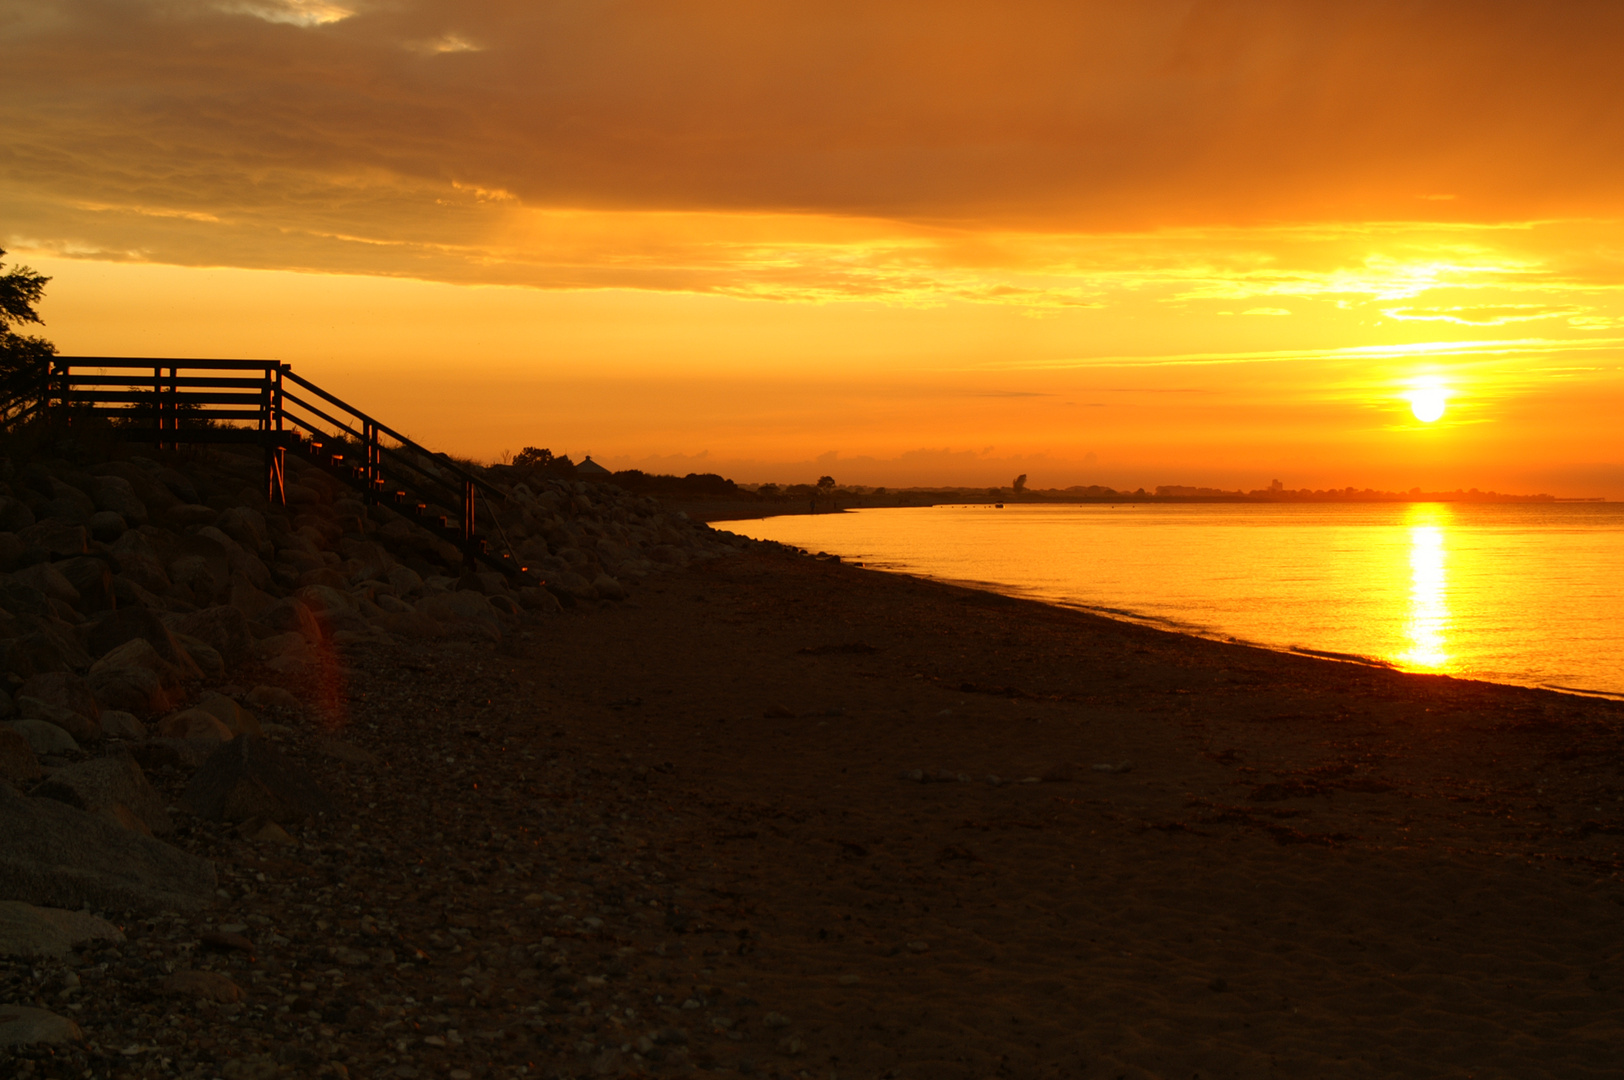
(1427, 403)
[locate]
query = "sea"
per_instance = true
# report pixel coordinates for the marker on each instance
(1530, 594)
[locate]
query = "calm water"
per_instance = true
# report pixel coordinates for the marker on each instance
(1530, 594)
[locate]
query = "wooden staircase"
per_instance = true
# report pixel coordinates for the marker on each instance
(261, 402)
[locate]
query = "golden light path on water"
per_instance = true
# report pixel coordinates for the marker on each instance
(1517, 593)
(1427, 624)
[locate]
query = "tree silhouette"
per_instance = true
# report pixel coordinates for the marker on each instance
(826, 483)
(20, 290)
(1020, 484)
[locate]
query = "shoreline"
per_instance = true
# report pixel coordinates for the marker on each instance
(1169, 626)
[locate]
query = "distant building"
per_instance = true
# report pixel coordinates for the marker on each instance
(591, 468)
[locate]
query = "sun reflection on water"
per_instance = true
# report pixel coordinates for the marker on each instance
(1426, 622)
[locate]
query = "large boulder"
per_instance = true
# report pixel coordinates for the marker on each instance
(64, 690)
(24, 1025)
(229, 713)
(15, 516)
(49, 581)
(23, 599)
(246, 526)
(194, 725)
(56, 855)
(139, 561)
(248, 778)
(114, 494)
(120, 627)
(28, 931)
(224, 629)
(291, 615)
(44, 737)
(134, 678)
(83, 729)
(31, 654)
(57, 539)
(113, 788)
(92, 579)
(18, 765)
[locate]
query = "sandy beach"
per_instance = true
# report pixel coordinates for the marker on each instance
(746, 823)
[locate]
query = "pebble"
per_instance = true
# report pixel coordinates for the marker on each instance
(209, 985)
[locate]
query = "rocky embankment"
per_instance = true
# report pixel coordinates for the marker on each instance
(177, 658)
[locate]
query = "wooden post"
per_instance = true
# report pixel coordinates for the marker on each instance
(468, 522)
(276, 475)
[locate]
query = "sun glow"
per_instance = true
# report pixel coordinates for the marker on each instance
(1428, 401)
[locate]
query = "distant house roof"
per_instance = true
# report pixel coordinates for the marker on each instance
(592, 468)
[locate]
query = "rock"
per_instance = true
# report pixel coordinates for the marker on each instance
(193, 724)
(106, 526)
(775, 1020)
(919, 946)
(57, 539)
(48, 580)
(129, 624)
(15, 516)
(18, 765)
(30, 654)
(1061, 773)
(21, 599)
(538, 599)
(246, 526)
(133, 689)
(406, 581)
(45, 737)
(210, 985)
(608, 588)
(209, 662)
(261, 831)
(346, 752)
(82, 729)
(26, 930)
(224, 628)
(291, 615)
(335, 610)
(22, 1025)
(249, 598)
(105, 783)
(291, 643)
(248, 777)
(274, 697)
(117, 724)
(189, 515)
(92, 579)
(116, 495)
(140, 652)
(65, 690)
(232, 715)
(59, 856)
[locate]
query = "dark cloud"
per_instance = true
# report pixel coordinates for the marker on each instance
(337, 144)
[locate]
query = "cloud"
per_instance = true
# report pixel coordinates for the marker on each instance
(290, 12)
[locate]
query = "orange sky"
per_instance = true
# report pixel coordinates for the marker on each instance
(905, 243)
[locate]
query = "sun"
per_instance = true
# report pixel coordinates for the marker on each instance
(1427, 402)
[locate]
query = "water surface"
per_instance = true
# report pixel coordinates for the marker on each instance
(1518, 593)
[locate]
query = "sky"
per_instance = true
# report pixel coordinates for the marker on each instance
(902, 243)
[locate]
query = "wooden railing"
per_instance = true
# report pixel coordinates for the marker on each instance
(169, 401)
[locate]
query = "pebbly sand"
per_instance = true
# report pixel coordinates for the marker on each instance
(742, 825)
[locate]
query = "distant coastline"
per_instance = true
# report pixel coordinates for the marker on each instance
(745, 504)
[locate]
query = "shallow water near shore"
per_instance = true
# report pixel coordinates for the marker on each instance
(1528, 594)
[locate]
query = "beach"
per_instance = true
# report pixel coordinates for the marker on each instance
(746, 823)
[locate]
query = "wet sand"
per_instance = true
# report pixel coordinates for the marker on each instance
(1294, 867)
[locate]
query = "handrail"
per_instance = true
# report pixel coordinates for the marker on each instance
(252, 408)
